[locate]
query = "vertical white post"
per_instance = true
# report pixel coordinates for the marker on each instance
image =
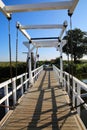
(35, 58)
(7, 100)
(68, 84)
(30, 72)
(22, 91)
(78, 101)
(61, 64)
(73, 93)
(35, 62)
(26, 82)
(14, 93)
(64, 82)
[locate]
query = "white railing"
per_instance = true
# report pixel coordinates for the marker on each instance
(36, 73)
(9, 89)
(57, 73)
(70, 83)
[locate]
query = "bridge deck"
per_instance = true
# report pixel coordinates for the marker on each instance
(44, 107)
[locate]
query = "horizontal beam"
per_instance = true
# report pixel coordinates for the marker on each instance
(48, 43)
(51, 26)
(39, 7)
(40, 45)
(45, 41)
(44, 38)
(55, 26)
(70, 5)
(7, 10)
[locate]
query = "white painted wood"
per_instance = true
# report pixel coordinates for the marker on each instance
(5, 86)
(7, 99)
(61, 65)
(22, 91)
(76, 94)
(25, 34)
(7, 10)
(39, 6)
(75, 2)
(78, 101)
(14, 92)
(2, 6)
(49, 26)
(74, 83)
(26, 85)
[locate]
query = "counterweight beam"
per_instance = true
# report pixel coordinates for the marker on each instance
(7, 10)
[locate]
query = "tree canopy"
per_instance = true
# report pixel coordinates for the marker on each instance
(75, 43)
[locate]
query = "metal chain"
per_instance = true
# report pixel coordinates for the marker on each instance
(71, 69)
(16, 51)
(10, 55)
(9, 37)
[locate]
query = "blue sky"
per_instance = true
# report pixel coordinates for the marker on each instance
(79, 20)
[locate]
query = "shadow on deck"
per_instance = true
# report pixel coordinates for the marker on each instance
(44, 107)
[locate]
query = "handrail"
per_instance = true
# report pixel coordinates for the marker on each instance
(76, 86)
(36, 72)
(6, 93)
(13, 79)
(20, 82)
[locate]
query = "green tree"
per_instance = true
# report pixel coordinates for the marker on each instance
(75, 43)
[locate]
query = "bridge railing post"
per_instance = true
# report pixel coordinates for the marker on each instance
(68, 81)
(58, 75)
(64, 81)
(7, 99)
(76, 95)
(36, 73)
(26, 85)
(14, 92)
(74, 89)
(22, 91)
(78, 101)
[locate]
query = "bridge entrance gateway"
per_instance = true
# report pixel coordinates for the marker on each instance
(29, 118)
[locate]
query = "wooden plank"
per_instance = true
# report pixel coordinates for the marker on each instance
(45, 106)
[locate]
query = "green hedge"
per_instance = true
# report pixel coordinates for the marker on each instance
(79, 70)
(5, 70)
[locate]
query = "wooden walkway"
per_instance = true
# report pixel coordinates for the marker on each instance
(44, 107)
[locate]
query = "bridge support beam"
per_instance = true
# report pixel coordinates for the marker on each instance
(61, 65)
(60, 48)
(36, 58)
(29, 65)
(27, 44)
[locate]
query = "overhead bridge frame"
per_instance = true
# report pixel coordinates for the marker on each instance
(7, 10)
(54, 26)
(47, 41)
